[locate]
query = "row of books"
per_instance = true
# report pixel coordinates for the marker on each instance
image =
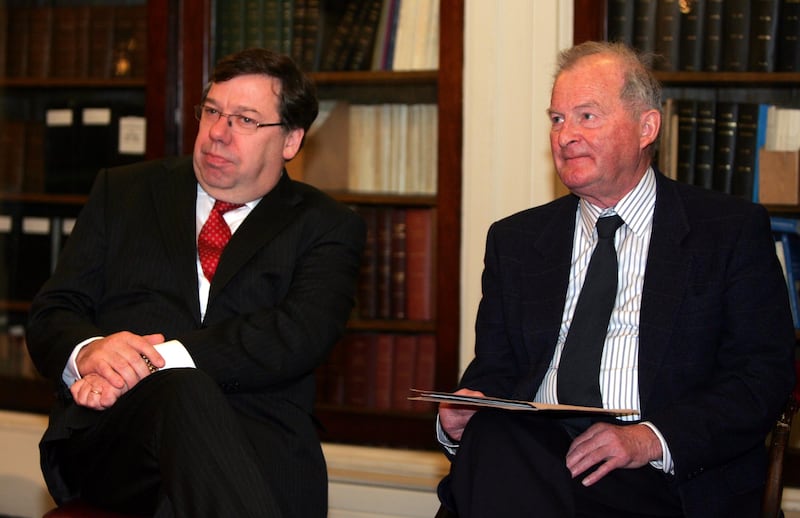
(73, 41)
(392, 148)
(397, 273)
(378, 371)
(711, 35)
(79, 140)
(327, 35)
(386, 148)
(15, 361)
(63, 153)
(716, 144)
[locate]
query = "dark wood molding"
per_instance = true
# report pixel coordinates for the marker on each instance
(589, 20)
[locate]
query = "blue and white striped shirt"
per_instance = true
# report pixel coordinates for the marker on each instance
(619, 366)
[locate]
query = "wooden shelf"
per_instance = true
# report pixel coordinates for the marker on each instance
(760, 79)
(66, 82)
(43, 198)
(380, 77)
(393, 326)
(368, 198)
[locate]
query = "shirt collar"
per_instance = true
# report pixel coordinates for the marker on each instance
(635, 208)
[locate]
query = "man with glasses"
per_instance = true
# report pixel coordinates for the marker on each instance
(185, 362)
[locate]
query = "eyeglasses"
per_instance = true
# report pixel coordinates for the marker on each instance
(238, 123)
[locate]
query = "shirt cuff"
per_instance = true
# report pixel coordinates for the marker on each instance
(665, 464)
(70, 373)
(174, 353)
(445, 440)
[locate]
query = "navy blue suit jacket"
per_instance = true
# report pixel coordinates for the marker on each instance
(278, 303)
(716, 355)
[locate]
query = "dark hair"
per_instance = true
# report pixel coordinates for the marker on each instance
(298, 104)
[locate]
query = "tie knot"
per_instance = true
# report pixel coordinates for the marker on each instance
(607, 226)
(222, 207)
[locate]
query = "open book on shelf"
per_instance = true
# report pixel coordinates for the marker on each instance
(510, 404)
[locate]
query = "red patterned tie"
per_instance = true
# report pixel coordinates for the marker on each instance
(213, 237)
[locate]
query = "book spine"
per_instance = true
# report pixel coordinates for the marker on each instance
(19, 20)
(668, 31)
(338, 40)
(736, 40)
(425, 370)
(691, 41)
(725, 143)
(405, 354)
(65, 42)
(359, 370)
(4, 29)
(419, 261)
(763, 35)
(384, 275)
(365, 42)
(704, 144)
(384, 364)
(761, 137)
(620, 21)
(398, 264)
(644, 25)
(367, 303)
(788, 44)
(712, 36)
(746, 151)
(101, 40)
(312, 30)
(299, 22)
(40, 40)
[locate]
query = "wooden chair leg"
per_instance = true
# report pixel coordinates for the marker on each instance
(779, 440)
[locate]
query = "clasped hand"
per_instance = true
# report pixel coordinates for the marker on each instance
(604, 445)
(111, 366)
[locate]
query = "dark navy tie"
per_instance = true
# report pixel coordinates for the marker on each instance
(579, 368)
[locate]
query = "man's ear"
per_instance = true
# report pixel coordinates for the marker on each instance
(292, 144)
(650, 122)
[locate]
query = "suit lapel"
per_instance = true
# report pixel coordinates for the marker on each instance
(547, 267)
(275, 210)
(665, 282)
(175, 199)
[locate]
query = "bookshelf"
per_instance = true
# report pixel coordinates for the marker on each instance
(745, 86)
(68, 72)
(180, 39)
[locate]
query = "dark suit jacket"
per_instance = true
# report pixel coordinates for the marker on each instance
(716, 337)
(278, 302)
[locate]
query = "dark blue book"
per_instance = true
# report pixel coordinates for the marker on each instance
(786, 232)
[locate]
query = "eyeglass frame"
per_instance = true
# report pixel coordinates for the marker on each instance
(200, 108)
